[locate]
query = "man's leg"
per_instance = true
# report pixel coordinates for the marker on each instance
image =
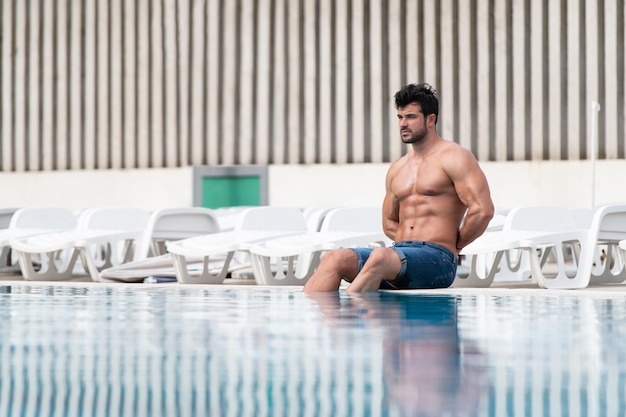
(334, 266)
(382, 264)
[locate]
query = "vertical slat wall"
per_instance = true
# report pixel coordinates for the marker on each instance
(167, 83)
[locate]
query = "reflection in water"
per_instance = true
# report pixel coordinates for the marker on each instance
(212, 351)
(423, 370)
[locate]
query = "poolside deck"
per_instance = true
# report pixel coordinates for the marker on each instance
(496, 289)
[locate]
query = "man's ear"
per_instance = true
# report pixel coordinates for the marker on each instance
(431, 120)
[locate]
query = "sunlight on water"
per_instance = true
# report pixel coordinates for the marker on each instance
(168, 351)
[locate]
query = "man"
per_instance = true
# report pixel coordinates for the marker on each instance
(430, 191)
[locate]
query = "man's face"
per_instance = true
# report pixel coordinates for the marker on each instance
(412, 123)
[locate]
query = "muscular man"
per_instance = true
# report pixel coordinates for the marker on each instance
(430, 191)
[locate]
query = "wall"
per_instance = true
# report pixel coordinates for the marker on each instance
(114, 84)
(512, 183)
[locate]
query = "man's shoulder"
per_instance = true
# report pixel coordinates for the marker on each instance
(450, 144)
(454, 149)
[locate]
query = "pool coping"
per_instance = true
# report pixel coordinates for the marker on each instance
(496, 289)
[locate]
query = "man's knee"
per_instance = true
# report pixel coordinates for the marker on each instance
(340, 258)
(383, 256)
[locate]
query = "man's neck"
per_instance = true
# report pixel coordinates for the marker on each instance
(426, 145)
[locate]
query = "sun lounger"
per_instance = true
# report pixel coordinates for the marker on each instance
(291, 260)
(174, 223)
(103, 237)
(555, 232)
(151, 257)
(600, 260)
(529, 236)
(607, 230)
(229, 217)
(222, 252)
(31, 221)
(162, 266)
(513, 266)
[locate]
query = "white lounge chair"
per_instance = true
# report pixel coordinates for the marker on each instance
(103, 237)
(229, 217)
(528, 237)
(174, 223)
(208, 259)
(605, 227)
(291, 260)
(601, 261)
(30, 221)
(151, 257)
(607, 230)
(555, 232)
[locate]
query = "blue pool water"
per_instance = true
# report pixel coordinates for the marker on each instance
(174, 351)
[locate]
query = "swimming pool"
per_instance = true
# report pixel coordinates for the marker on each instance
(126, 350)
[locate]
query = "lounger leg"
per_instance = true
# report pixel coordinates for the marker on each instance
(205, 276)
(563, 280)
(289, 270)
(481, 273)
(613, 269)
(49, 271)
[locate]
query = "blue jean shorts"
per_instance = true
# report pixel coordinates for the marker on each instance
(424, 265)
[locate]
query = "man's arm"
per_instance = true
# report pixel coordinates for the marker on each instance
(473, 190)
(391, 210)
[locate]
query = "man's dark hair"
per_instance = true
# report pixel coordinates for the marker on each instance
(422, 94)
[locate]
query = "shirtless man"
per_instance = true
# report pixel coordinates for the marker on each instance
(428, 192)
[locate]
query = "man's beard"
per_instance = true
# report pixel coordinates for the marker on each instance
(415, 137)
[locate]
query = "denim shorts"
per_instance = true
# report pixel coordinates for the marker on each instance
(424, 265)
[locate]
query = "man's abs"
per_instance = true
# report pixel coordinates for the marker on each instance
(440, 231)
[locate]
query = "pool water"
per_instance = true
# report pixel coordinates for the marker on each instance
(213, 351)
